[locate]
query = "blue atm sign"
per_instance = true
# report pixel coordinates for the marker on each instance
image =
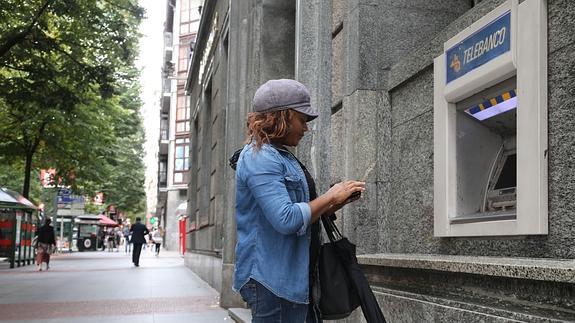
(479, 48)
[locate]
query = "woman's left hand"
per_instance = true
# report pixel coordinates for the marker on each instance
(343, 192)
(336, 197)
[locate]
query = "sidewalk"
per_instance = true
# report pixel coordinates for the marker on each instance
(105, 287)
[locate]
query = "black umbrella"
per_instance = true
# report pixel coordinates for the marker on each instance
(346, 252)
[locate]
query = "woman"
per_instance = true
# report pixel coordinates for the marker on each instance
(274, 211)
(157, 239)
(46, 243)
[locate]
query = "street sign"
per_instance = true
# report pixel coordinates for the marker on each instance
(64, 196)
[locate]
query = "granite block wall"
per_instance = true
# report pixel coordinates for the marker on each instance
(404, 184)
(425, 294)
(368, 65)
(561, 94)
(412, 151)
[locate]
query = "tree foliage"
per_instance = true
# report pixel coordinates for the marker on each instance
(69, 94)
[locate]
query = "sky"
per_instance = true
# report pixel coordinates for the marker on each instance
(150, 64)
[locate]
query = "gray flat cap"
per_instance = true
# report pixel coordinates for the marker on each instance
(283, 94)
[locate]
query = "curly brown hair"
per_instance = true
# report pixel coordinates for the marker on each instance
(266, 127)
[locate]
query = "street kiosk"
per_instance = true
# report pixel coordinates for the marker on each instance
(88, 226)
(18, 223)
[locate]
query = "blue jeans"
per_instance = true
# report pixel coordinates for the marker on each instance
(266, 307)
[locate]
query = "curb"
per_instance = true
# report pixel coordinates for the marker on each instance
(240, 315)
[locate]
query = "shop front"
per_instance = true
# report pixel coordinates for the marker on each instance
(18, 222)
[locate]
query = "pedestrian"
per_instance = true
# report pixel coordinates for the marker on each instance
(118, 238)
(278, 234)
(127, 240)
(157, 239)
(102, 235)
(138, 232)
(150, 241)
(45, 244)
(110, 239)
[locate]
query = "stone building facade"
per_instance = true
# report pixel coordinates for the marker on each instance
(370, 68)
(180, 28)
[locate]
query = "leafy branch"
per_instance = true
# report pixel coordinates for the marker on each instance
(15, 38)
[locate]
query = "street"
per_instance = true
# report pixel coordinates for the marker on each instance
(105, 287)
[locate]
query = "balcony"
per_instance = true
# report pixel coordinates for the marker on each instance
(163, 180)
(165, 102)
(163, 147)
(166, 95)
(163, 173)
(168, 41)
(164, 141)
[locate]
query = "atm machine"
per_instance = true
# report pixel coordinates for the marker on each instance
(490, 125)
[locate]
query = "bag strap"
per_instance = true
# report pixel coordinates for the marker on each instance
(234, 159)
(330, 228)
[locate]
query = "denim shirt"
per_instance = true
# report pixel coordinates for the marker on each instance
(273, 223)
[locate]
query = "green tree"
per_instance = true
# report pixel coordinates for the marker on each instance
(123, 160)
(63, 67)
(12, 177)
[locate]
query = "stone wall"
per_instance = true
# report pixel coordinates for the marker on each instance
(381, 129)
(412, 288)
(411, 93)
(369, 67)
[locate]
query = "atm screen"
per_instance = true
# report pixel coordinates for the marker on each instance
(508, 176)
(494, 106)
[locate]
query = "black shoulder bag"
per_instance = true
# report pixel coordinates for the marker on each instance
(334, 292)
(339, 285)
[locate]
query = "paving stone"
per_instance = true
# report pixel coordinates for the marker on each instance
(98, 286)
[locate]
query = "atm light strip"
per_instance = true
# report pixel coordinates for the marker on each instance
(498, 108)
(491, 102)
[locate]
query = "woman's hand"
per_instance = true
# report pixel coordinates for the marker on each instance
(345, 192)
(335, 198)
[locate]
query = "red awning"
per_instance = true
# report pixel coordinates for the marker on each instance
(104, 220)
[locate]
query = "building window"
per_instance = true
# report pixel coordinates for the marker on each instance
(189, 17)
(185, 53)
(182, 126)
(182, 113)
(181, 160)
(183, 58)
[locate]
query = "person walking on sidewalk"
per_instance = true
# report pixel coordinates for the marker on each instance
(102, 235)
(158, 240)
(110, 239)
(127, 240)
(46, 244)
(118, 238)
(138, 232)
